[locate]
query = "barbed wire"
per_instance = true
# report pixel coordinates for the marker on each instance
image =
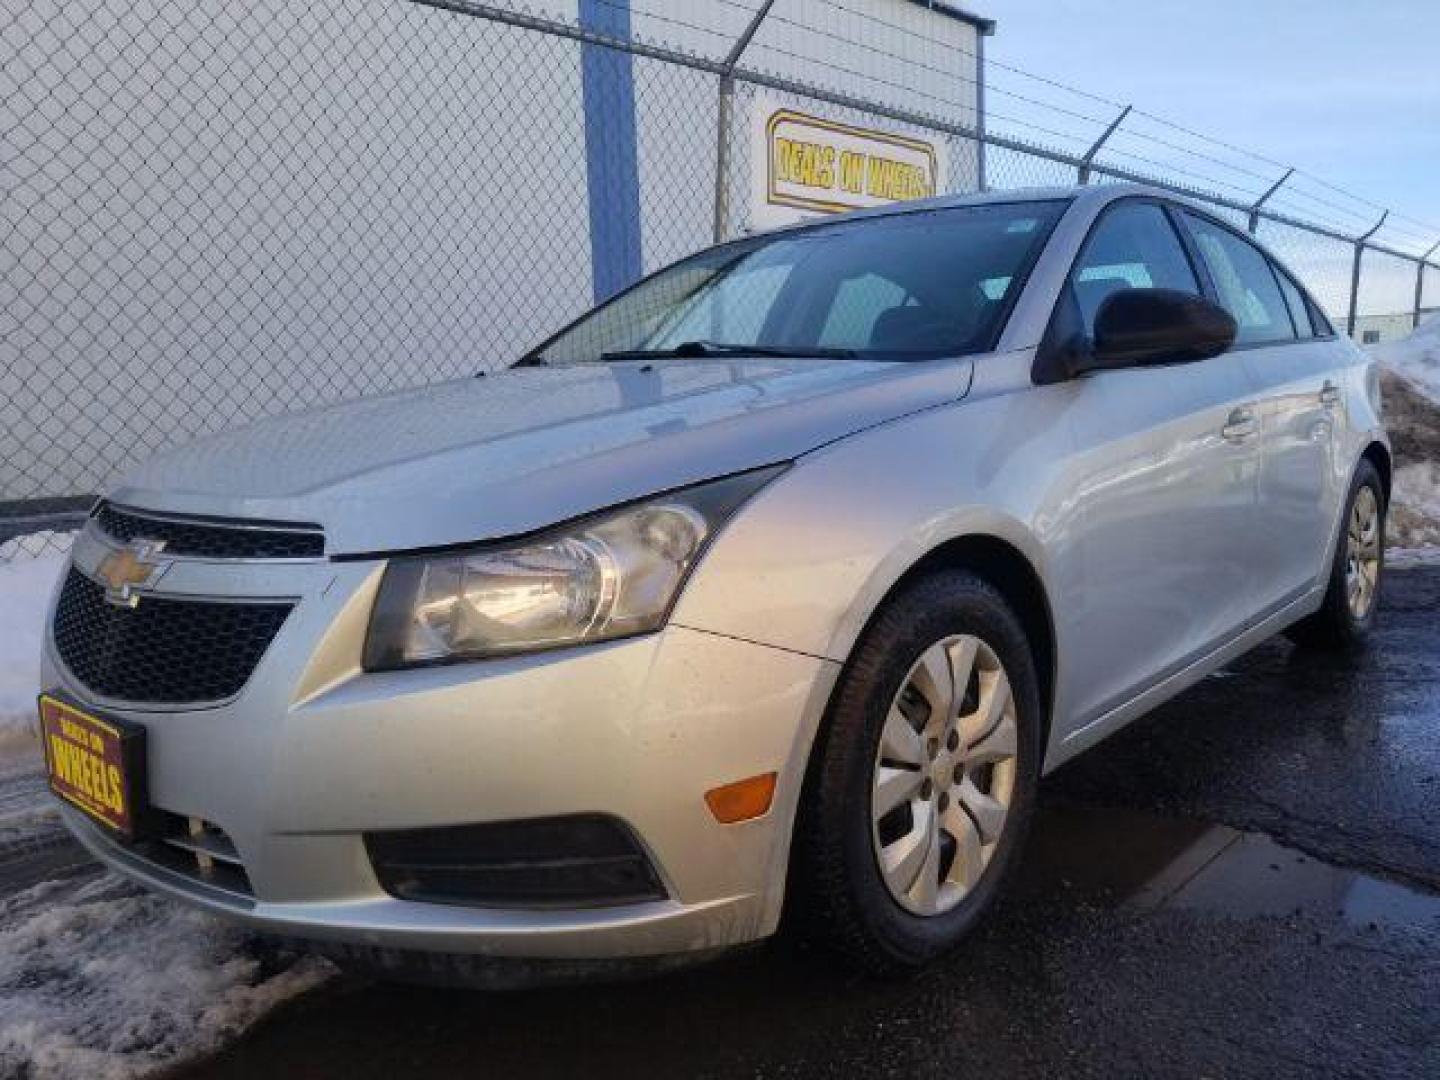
(1295, 197)
(277, 234)
(1430, 230)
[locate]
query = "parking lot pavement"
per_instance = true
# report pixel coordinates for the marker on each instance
(1338, 757)
(1245, 883)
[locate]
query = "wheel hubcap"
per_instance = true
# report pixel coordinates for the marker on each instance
(944, 775)
(1362, 553)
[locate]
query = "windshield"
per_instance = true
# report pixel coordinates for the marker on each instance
(905, 286)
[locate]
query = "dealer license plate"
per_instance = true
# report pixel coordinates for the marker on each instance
(96, 764)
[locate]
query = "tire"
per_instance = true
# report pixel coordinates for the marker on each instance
(840, 896)
(1338, 625)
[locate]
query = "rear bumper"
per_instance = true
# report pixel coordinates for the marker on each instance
(314, 753)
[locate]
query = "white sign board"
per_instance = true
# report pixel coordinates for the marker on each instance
(807, 165)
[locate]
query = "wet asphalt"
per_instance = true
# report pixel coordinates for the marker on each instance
(1245, 883)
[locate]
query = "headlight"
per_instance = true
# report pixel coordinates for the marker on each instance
(606, 577)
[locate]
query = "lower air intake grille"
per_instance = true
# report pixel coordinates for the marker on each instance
(198, 849)
(164, 651)
(585, 860)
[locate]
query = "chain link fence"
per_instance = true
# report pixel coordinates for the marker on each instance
(213, 213)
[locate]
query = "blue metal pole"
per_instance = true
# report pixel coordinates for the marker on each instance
(607, 82)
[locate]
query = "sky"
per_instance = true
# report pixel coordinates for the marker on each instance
(1347, 91)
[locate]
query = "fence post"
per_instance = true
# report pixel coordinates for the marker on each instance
(1258, 203)
(1355, 274)
(980, 183)
(1420, 283)
(724, 117)
(1089, 155)
(612, 166)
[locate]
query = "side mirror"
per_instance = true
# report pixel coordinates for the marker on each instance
(1140, 327)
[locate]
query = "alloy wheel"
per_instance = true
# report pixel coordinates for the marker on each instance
(944, 775)
(1362, 553)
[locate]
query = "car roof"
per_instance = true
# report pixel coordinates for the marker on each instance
(1075, 193)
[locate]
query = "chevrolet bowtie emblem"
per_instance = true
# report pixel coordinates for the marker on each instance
(128, 569)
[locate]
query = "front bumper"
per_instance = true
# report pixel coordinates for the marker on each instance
(314, 753)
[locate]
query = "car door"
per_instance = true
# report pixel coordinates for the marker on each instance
(1296, 398)
(1164, 481)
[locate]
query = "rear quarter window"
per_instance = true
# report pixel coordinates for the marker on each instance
(1295, 301)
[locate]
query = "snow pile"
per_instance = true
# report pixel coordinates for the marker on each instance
(1410, 385)
(25, 588)
(34, 545)
(1416, 357)
(1416, 497)
(99, 979)
(27, 814)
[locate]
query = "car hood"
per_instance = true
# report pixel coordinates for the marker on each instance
(512, 452)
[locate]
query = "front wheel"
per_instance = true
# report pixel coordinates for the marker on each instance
(921, 788)
(1352, 595)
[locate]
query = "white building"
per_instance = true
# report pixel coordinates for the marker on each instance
(213, 212)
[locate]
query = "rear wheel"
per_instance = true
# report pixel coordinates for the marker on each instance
(923, 781)
(1352, 596)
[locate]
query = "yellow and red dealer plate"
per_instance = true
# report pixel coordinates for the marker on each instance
(93, 763)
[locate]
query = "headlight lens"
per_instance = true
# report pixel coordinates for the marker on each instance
(608, 577)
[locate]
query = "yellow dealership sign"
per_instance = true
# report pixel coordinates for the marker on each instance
(809, 165)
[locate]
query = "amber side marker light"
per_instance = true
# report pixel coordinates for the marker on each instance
(742, 800)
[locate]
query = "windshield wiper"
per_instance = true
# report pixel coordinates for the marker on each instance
(715, 348)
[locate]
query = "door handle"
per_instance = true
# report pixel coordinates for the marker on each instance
(1240, 426)
(1329, 394)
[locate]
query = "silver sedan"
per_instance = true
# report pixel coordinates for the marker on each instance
(774, 583)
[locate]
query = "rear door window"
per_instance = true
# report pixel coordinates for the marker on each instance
(1247, 287)
(1133, 247)
(1320, 321)
(1295, 301)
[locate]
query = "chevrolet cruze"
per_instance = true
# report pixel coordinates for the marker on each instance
(774, 584)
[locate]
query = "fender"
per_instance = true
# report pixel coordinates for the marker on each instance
(782, 575)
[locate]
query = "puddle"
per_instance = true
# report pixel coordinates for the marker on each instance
(1149, 863)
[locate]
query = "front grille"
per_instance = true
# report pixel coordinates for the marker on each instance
(213, 539)
(163, 650)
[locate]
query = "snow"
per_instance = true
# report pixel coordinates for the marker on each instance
(1417, 501)
(1408, 556)
(33, 545)
(103, 980)
(1414, 427)
(99, 978)
(25, 588)
(27, 816)
(1416, 357)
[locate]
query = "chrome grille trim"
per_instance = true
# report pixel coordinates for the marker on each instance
(197, 537)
